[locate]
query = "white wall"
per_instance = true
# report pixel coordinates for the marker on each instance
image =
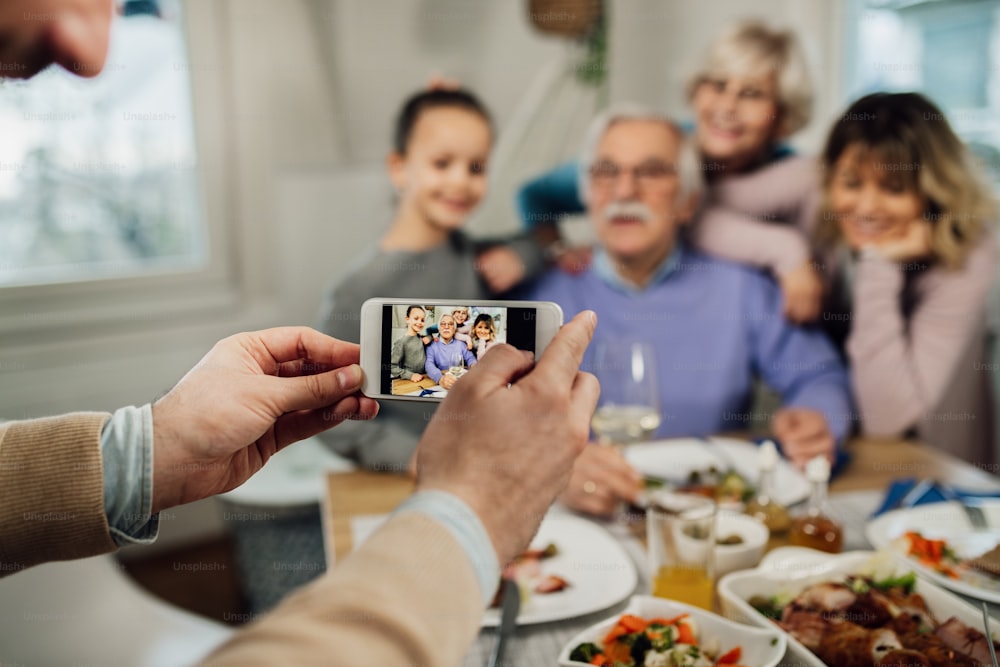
(308, 89)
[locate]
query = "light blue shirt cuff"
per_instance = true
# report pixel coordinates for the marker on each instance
(457, 517)
(127, 457)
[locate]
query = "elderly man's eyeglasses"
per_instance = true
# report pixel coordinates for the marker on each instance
(647, 175)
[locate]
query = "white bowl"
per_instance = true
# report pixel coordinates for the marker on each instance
(790, 569)
(732, 557)
(761, 647)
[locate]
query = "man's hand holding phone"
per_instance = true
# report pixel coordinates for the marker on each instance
(476, 449)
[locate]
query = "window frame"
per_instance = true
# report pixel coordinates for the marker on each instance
(63, 311)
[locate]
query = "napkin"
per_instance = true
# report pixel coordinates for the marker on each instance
(899, 488)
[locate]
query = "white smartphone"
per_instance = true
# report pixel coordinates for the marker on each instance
(419, 349)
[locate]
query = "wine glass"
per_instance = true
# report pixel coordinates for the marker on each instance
(457, 367)
(628, 410)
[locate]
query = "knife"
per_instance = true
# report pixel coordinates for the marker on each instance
(510, 604)
(989, 635)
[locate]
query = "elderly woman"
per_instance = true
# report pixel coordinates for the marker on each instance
(751, 92)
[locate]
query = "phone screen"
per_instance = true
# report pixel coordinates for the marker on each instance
(426, 349)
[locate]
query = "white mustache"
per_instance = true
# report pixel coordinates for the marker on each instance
(627, 209)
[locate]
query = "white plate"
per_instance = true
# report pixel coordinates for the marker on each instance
(598, 570)
(293, 477)
(790, 569)
(943, 521)
(676, 458)
(760, 647)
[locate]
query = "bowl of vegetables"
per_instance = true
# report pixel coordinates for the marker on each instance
(656, 632)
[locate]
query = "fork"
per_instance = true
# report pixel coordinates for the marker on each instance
(973, 512)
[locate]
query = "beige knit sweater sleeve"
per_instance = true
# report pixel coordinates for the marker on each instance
(51, 491)
(408, 596)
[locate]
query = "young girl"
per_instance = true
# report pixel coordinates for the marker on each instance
(906, 236)
(484, 332)
(751, 92)
(408, 357)
(438, 163)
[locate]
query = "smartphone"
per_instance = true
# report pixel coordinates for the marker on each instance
(419, 349)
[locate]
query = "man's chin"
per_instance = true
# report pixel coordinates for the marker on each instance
(626, 254)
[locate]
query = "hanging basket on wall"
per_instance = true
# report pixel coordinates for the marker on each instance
(575, 19)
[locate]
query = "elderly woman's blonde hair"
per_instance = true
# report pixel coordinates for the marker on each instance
(907, 137)
(752, 49)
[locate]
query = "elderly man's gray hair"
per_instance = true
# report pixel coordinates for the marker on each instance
(688, 164)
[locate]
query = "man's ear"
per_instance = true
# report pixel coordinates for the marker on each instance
(686, 207)
(395, 163)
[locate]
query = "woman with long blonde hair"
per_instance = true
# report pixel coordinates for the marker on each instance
(905, 235)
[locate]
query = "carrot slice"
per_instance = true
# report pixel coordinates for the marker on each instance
(685, 635)
(731, 657)
(633, 623)
(614, 633)
(618, 652)
(667, 621)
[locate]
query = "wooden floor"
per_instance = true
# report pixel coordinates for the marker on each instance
(182, 579)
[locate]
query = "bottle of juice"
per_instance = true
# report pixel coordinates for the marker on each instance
(764, 506)
(816, 527)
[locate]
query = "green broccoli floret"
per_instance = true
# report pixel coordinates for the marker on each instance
(906, 581)
(585, 652)
(640, 645)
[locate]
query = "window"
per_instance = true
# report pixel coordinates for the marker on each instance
(98, 176)
(116, 204)
(947, 49)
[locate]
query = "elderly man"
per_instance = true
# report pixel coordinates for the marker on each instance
(715, 326)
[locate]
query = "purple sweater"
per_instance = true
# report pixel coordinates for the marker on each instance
(715, 326)
(441, 356)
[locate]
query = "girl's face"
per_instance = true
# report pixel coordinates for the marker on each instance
(460, 317)
(736, 118)
(446, 327)
(415, 320)
(442, 177)
(870, 201)
(483, 331)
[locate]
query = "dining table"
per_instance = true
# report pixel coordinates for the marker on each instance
(401, 387)
(855, 493)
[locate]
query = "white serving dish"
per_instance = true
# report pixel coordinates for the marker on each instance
(790, 569)
(761, 647)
